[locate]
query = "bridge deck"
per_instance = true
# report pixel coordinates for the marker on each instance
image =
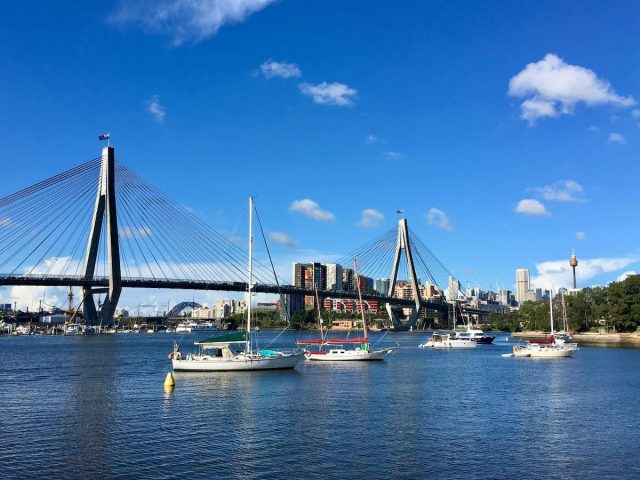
(182, 284)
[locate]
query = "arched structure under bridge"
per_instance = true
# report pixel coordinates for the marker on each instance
(177, 309)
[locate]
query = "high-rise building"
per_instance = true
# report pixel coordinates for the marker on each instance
(430, 292)
(382, 286)
(294, 302)
(227, 307)
(319, 279)
(334, 277)
(504, 297)
(366, 284)
(310, 276)
(301, 275)
(522, 284)
(453, 289)
(347, 280)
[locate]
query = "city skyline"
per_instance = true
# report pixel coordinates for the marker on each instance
(461, 117)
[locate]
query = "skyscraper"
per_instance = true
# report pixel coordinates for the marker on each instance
(453, 290)
(382, 286)
(522, 284)
(347, 280)
(334, 277)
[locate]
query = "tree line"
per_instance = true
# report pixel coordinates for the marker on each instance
(615, 307)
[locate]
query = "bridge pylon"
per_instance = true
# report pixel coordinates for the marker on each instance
(403, 244)
(104, 216)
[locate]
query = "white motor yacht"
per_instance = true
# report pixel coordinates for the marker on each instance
(444, 340)
(196, 327)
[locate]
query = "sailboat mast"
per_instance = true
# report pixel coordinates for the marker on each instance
(364, 322)
(551, 306)
(250, 283)
(565, 325)
(319, 316)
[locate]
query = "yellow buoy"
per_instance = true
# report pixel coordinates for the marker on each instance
(169, 382)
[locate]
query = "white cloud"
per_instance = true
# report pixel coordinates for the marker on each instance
(283, 239)
(128, 232)
(593, 128)
(560, 274)
(273, 69)
(623, 276)
(371, 138)
(552, 87)
(581, 235)
(635, 113)
(562, 191)
(186, 20)
(27, 296)
(392, 154)
(437, 217)
(530, 206)
(329, 93)
(616, 138)
(155, 108)
(312, 209)
(370, 218)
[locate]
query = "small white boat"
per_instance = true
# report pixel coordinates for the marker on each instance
(444, 340)
(89, 330)
(72, 330)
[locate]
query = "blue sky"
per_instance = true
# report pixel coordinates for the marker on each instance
(461, 109)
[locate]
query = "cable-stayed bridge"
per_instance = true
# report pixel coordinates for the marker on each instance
(101, 227)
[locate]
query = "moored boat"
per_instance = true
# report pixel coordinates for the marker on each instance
(236, 351)
(476, 335)
(549, 348)
(338, 352)
(445, 340)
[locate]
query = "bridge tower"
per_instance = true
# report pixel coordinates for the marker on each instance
(404, 244)
(104, 216)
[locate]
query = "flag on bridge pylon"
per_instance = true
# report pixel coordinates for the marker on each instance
(104, 136)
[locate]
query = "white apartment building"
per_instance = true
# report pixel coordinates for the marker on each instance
(522, 285)
(334, 277)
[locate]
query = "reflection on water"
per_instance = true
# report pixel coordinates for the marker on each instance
(96, 407)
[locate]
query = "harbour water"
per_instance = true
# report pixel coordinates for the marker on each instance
(95, 407)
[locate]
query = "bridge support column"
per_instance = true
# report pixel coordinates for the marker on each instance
(105, 207)
(404, 244)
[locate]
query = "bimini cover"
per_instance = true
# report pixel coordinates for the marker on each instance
(236, 337)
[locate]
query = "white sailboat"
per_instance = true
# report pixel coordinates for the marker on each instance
(236, 351)
(563, 336)
(549, 348)
(337, 351)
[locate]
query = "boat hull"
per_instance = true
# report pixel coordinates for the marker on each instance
(236, 364)
(552, 353)
(486, 340)
(535, 350)
(348, 355)
(449, 344)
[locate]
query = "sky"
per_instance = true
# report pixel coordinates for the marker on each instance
(508, 132)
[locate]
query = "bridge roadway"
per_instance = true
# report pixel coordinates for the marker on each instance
(34, 280)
